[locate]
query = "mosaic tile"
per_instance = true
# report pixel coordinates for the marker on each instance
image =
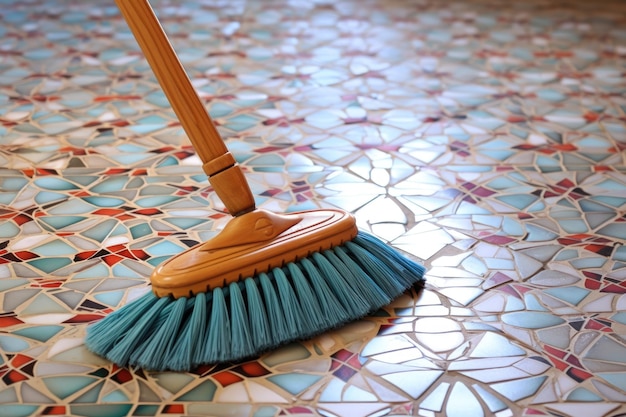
(486, 142)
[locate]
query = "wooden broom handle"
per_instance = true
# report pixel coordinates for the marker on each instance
(225, 175)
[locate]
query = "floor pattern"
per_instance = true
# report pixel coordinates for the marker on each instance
(486, 139)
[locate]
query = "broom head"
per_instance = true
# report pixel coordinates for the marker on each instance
(263, 281)
(255, 242)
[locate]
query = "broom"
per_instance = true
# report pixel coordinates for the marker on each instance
(264, 280)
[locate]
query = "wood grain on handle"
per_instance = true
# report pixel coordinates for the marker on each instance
(224, 174)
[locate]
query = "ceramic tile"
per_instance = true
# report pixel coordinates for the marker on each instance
(486, 142)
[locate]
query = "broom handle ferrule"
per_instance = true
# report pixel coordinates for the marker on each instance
(225, 175)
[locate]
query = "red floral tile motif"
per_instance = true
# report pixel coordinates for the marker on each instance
(84, 318)
(600, 245)
(301, 190)
(516, 290)
(206, 370)
(460, 148)
(567, 362)
(180, 154)
(297, 411)
(548, 149)
(32, 172)
(122, 376)
(113, 254)
(345, 364)
(18, 368)
(475, 192)
(115, 97)
(495, 239)
(88, 311)
(235, 374)
(271, 192)
(535, 412)
(185, 190)
(108, 125)
(566, 188)
(497, 280)
(251, 370)
(226, 378)
(595, 323)
(595, 278)
(596, 281)
(9, 319)
(173, 409)
(19, 256)
(55, 410)
(282, 122)
(148, 212)
(46, 283)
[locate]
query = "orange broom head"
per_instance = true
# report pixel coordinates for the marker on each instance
(249, 244)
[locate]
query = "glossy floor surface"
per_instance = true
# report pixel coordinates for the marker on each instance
(485, 139)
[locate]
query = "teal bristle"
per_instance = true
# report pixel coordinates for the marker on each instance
(363, 284)
(261, 333)
(333, 311)
(304, 298)
(354, 303)
(241, 340)
(289, 306)
(309, 304)
(111, 331)
(198, 355)
(391, 265)
(189, 340)
(274, 315)
(153, 351)
(376, 266)
(142, 324)
(217, 345)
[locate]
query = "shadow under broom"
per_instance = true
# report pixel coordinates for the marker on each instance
(264, 280)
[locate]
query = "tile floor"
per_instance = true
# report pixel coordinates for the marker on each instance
(485, 138)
